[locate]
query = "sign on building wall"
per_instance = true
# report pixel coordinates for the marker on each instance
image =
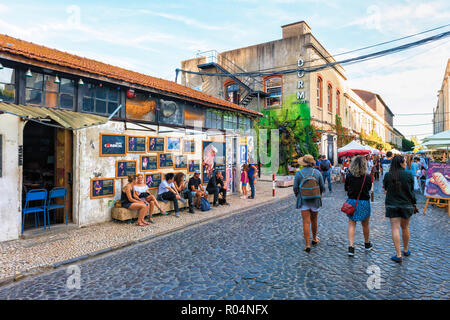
(156, 144)
(136, 144)
(112, 145)
(1, 155)
(125, 168)
(180, 162)
(149, 163)
(102, 188)
(193, 165)
(165, 160)
(214, 157)
(153, 180)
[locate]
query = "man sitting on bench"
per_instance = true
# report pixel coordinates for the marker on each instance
(216, 186)
(195, 186)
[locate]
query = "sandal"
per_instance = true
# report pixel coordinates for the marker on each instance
(308, 250)
(140, 224)
(315, 242)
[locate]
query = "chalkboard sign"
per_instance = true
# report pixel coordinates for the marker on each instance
(155, 144)
(112, 145)
(193, 165)
(180, 162)
(188, 146)
(125, 168)
(165, 160)
(102, 188)
(149, 163)
(136, 144)
(153, 180)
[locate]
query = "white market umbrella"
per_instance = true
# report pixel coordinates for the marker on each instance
(351, 149)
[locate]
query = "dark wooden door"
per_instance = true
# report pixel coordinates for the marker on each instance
(64, 166)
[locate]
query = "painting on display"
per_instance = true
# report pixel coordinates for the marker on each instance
(102, 188)
(153, 180)
(188, 146)
(180, 162)
(148, 163)
(165, 160)
(213, 157)
(125, 168)
(155, 144)
(112, 145)
(193, 165)
(437, 184)
(173, 144)
(136, 144)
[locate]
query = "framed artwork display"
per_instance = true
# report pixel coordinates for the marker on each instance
(156, 144)
(112, 145)
(148, 163)
(102, 188)
(165, 160)
(125, 168)
(136, 144)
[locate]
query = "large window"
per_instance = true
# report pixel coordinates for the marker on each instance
(319, 92)
(338, 102)
(41, 89)
(7, 85)
(99, 99)
(273, 88)
(244, 123)
(213, 120)
(230, 121)
(232, 93)
(330, 98)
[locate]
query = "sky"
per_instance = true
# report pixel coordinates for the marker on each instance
(152, 37)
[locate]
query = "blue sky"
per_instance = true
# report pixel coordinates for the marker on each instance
(152, 37)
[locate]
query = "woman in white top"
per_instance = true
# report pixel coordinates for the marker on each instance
(141, 192)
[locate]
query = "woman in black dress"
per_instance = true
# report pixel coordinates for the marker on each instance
(129, 202)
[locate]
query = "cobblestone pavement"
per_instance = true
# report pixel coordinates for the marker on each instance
(258, 254)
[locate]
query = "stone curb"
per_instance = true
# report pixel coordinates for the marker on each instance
(39, 270)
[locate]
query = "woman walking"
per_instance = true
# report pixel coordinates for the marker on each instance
(357, 185)
(400, 204)
(308, 188)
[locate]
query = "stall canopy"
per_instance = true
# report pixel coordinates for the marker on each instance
(353, 148)
(437, 141)
(65, 118)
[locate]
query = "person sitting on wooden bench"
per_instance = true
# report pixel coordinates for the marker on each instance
(216, 186)
(168, 191)
(195, 185)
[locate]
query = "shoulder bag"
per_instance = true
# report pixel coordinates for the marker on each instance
(347, 208)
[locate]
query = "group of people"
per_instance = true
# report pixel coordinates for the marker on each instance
(398, 183)
(136, 196)
(248, 176)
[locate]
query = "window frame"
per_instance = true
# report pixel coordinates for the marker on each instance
(319, 92)
(106, 100)
(330, 97)
(267, 78)
(338, 102)
(43, 89)
(13, 83)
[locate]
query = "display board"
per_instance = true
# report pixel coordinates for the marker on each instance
(155, 144)
(213, 158)
(125, 168)
(437, 183)
(180, 162)
(112, 145)
(189, 146)
(136, 144)
(193, 165)
(148, 163)
(153, 180)
(173, 144)
(165, 160)
(102, 188)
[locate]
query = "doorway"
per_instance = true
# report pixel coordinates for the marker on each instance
(47, 163)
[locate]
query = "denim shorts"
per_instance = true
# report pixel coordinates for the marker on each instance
(244, 184)
(307, 207)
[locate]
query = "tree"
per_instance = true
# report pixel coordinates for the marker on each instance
(407, 145)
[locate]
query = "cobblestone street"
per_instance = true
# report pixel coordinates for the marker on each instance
(258, 254)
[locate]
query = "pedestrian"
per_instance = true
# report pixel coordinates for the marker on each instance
(317, 164)
(376, 168)
(358, 184)
(244, 180)
(386, 163)
(129, 202)
(167, 191)
(325, 167)
(308, 188)
(252, 170)
(216, 186)
(400, 204)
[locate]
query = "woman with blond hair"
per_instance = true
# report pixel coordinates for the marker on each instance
(357, 185)
(141, 189)
(130, 202)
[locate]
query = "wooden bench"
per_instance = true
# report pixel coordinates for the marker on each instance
(123, 214)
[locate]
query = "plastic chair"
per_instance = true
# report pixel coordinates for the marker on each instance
(34, 195)
(56, 193)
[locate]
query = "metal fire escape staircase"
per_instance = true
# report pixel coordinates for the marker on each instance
(249, 85)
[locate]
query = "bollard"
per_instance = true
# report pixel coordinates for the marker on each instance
(273, 184)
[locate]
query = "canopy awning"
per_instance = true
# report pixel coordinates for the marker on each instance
(65, 118)
(351, 149)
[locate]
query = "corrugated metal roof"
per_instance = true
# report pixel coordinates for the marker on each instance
(67, 119)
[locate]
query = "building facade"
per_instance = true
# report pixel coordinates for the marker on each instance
(441, 112)
(291, 101)
(80, 124)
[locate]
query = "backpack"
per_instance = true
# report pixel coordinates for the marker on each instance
(309, 188)
(324, 165)
(204, 205)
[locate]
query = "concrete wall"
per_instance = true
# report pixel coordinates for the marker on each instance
(11, 129)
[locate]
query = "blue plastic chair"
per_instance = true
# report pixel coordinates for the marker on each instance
(34, 195)
(56, 193)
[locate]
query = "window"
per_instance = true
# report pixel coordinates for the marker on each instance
(319, 92)
(244, 123)
(7, 85)
(213, 120)
(338, 102)
(232, 93)
(99, 99)
(41, 89)
(230, 121)
(273, 88)
(330, 98)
